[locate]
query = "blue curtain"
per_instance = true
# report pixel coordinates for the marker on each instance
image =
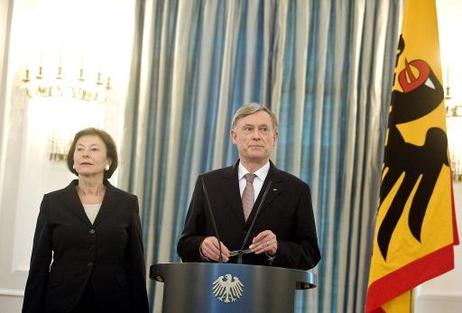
(324, 67)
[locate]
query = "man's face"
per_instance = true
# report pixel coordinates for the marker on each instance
(254, 137)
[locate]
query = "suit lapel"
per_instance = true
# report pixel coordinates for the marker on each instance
(229, 185)
(72, 201)
(110, 201)
(275, 189)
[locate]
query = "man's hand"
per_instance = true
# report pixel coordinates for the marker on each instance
(210, 249)
(265, 241)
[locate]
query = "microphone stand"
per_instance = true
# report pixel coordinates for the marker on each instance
(214, 224)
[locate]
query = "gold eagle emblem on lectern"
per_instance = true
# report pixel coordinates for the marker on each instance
(227, 288)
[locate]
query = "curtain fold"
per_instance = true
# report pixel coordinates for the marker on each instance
(325, 69)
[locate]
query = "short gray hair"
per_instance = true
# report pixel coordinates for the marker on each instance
(251, 108)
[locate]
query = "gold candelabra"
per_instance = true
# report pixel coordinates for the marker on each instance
(80, 88)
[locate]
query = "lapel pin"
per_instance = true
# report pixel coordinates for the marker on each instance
(275, 189)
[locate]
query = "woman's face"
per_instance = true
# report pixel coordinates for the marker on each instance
(90, 156)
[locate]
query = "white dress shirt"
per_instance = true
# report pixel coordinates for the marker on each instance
(261, 174)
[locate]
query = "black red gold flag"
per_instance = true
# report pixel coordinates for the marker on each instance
(415, 227)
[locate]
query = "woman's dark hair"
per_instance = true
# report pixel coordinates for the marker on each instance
(108, 142)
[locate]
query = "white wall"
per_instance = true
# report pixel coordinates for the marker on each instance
(450, 23)
(10, 286)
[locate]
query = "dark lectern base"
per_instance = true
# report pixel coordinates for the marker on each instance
(222, 287)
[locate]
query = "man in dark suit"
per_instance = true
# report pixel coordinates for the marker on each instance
(253, 191)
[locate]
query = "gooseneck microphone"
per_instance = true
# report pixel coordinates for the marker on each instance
(214, 224)
(252, 225)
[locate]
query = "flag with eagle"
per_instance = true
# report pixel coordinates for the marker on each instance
(415, 227)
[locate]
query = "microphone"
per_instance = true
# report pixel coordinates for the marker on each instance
(214, 224)
(252, 225)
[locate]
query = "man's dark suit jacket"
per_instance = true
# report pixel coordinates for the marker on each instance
(108, 254)
(286, 211)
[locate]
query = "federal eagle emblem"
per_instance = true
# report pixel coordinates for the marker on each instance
(227, 288)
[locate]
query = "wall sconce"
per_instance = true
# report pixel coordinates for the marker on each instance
(454, 131)
(454, 110)
(453, 120)
(58, 148)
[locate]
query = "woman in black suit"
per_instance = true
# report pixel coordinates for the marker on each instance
(87, 253)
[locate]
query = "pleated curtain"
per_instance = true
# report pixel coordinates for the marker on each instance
(324, 67)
